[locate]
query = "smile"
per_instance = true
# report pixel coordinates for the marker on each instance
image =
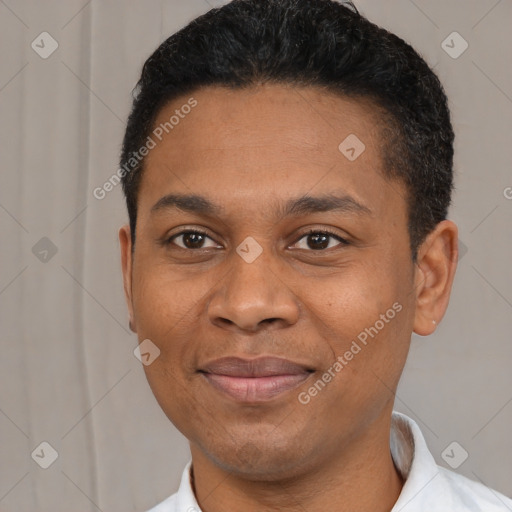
(256, 380)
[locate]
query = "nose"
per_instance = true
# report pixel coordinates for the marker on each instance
(253, 297)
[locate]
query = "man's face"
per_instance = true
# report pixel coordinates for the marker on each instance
(306, 298)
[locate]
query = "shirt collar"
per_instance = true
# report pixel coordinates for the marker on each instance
(412, 459)
(185, 499)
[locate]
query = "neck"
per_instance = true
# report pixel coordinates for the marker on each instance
(359, 478)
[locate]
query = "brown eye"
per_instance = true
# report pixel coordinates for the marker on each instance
(320, 240)
(191, 240)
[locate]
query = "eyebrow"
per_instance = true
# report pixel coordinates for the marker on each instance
(303, 205)
(187, 202)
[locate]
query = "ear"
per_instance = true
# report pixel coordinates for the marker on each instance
(125, 242)
(434, 273)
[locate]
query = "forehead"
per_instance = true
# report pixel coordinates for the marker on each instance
(266, 142)
(276, 114)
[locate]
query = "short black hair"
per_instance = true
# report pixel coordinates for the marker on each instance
(320, 43)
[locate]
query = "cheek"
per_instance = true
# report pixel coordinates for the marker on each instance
(161, 301)
(351, 301)
(364, 315)
(165, 310)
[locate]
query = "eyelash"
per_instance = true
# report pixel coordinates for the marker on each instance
(340, 239)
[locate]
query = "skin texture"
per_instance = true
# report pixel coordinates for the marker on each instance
(250, 151)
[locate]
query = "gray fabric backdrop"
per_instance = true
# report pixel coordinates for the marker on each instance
(67, 370)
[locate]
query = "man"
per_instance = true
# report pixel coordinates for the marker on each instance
(287, 167)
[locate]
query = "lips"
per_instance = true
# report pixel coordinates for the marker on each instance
(254, 380)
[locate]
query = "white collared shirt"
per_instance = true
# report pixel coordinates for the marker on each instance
(427, 488)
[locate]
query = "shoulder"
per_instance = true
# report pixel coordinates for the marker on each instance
(429, 487)
(466, 494)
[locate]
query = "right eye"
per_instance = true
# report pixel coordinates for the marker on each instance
(190, 239)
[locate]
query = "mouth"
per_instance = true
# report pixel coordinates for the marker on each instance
(254, 380)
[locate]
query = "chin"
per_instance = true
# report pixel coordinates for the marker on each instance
(264, 459)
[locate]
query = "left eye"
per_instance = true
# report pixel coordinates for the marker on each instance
(320, 240)
(191, 240)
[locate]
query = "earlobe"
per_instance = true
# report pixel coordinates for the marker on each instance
(126, 265)
(435, 271)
